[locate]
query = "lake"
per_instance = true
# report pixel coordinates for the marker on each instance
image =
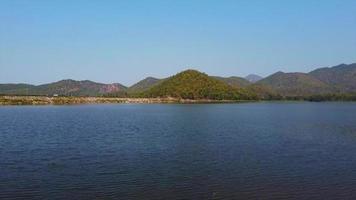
(290, 150)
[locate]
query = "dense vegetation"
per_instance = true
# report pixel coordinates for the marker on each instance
(264, 92)
(341, 77)
(338, 80)
(233, 81)
(62, 88)
(16, 89)
(295, 84)
(144, 85)
(332, 84)
(334, 97)
(192, 84)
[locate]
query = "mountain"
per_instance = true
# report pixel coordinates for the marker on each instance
(144, 84)
(342, 77)
(233, 81)
(78, 88)
(64, 87)
(263, 92)
(192, 84)
(295, 84)
(334, 82)
(14, 89)
(253, 78)
(149, 82)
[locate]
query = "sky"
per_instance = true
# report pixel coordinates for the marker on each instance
(108, 41)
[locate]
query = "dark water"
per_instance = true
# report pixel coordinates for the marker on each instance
(220, 151)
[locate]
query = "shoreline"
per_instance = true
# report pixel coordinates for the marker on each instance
(44, 100)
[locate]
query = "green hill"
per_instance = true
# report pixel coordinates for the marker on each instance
(332, 82)
(342, 77)
(233, 81)
(64, 88)
(192, 84)
(15, 89)
(263, 92)
(295, 84)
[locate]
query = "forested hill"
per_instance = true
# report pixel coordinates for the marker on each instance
(233, 81)
(295, 84)
(62, 88)
(144, 84)
(334, 81)
(340, 79)
(192, 84)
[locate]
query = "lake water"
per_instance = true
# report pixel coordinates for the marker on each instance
(213, 151)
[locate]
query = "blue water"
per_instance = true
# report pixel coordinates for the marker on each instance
(213, 151)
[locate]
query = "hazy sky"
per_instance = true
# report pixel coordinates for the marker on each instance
(125, 41)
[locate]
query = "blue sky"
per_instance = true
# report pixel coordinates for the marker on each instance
(124, 41)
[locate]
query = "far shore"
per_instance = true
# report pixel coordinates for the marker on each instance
(66, 100)
(44, 100)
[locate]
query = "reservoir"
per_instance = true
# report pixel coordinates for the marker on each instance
(272, 150)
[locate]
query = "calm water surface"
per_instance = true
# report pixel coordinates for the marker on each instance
(220, 151)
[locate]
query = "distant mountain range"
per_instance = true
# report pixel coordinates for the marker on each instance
(295, 84)
(337, 79)
(340, 79)
(63, 88)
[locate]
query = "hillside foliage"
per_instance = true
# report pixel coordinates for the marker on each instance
(144, 85)
(295, 84)
(233, 81)
(192, 84)
(330, 83)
